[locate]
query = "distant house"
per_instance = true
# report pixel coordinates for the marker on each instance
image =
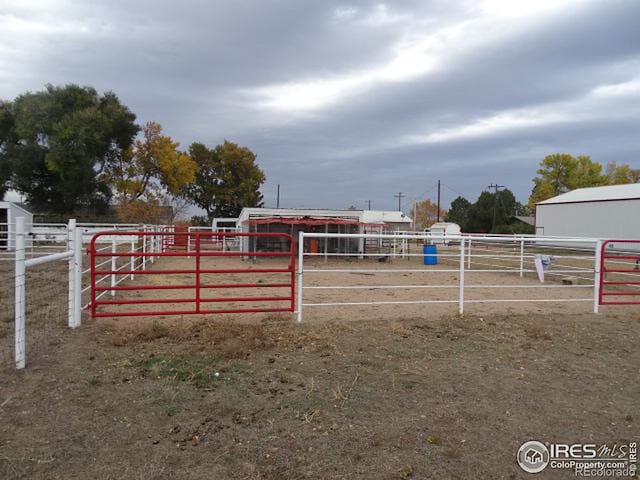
(611, 212)
(527, 220)
(9, 211)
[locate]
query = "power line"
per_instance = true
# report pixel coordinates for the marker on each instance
(453, 190)
(428, 191)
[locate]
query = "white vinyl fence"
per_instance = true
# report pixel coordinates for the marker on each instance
(72, 254)
(32, 281)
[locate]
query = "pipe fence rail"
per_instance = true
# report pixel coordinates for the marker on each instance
(620, 284)
(171, 247)
(575, 261)
(123, 268)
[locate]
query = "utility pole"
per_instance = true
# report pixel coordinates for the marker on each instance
(278, 197)
(438, 214)
(399, 196)
(495, 188)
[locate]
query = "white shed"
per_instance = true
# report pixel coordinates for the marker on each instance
(611, 212)
(445, 229)
(9, 211)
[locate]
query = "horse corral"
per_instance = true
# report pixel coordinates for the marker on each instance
(346, 363)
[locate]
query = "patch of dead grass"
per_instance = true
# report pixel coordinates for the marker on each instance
(229, 339)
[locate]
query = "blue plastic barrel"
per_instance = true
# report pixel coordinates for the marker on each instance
(430, 254)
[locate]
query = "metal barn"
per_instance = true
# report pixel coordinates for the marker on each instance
(9, 211)
(611, 212)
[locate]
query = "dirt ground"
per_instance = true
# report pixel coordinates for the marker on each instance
(425, 397)
(364, 392)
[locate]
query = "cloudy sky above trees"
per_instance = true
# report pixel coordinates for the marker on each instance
(349, 101)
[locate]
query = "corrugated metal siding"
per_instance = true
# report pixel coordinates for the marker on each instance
(613, 219)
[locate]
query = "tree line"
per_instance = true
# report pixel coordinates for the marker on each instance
(560, 173)
(495, 212)
(69, 149)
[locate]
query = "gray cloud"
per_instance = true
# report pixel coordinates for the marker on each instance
(349, 101)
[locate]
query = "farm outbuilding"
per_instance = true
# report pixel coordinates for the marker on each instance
(611, 212)
(443, 229)
(9, 211)
(294, 220)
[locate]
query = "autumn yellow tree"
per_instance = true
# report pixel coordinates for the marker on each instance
(149, 174)
(561, 172)
(153, 163)
(426, 214)
(621, 174)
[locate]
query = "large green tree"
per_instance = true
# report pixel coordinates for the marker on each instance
(492, 211)
(7, 139)
(460, 213)
(54, 144)
(227, 180)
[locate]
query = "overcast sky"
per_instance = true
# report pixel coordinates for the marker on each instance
(349, 101)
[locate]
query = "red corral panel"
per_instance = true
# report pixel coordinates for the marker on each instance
(199, 292)
(620, 273)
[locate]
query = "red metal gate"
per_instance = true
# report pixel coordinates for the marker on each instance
(624, 277)
(163, 244)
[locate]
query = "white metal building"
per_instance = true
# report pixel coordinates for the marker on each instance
(9, 211)
(611, 212)
(391, 219)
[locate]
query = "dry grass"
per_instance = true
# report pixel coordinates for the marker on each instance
(226, 338)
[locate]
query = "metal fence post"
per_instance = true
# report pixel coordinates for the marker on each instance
(132, 261)
(461, 297)
(113, 266)
(469, 255)
(521, 257)
(20, 299)
(152, 244)
(597, 276)
(300, 270)
(144, 248)
(77, 287)
(198, 267)
(71, 245)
